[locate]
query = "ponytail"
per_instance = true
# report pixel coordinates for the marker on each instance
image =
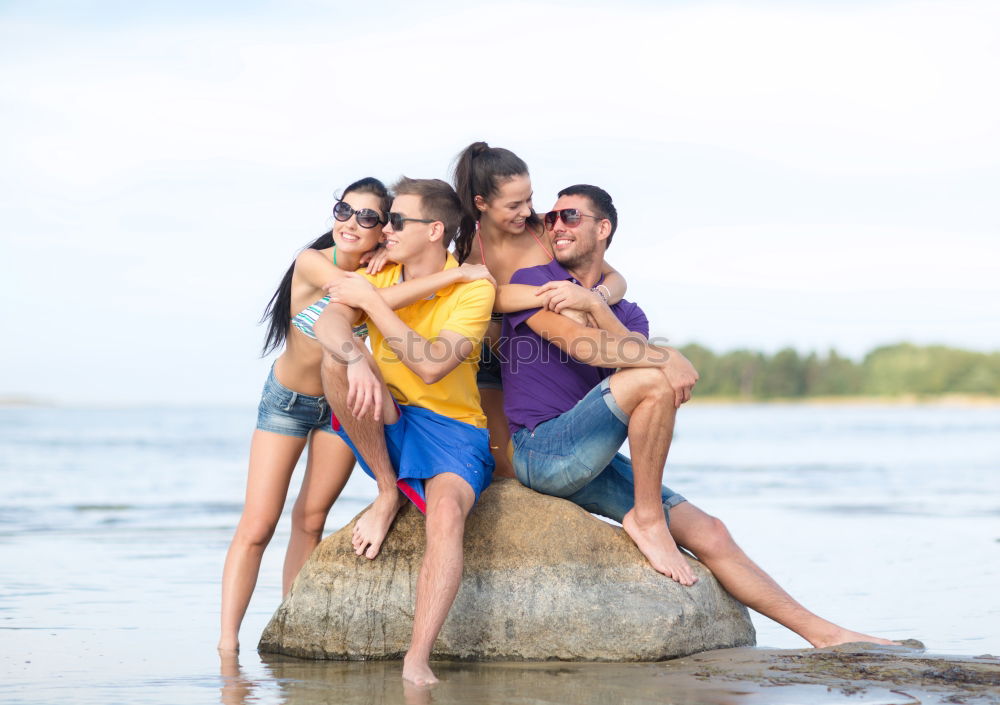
(479, 171)
(464, 186)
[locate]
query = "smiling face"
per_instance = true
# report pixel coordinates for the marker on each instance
(351, 237)
(412, 238)
(578, 245)
(510, 208)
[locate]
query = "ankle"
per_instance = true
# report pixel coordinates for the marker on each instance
(644, 518)
(416, 656)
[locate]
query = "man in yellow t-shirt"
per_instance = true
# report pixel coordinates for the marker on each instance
(410, 410)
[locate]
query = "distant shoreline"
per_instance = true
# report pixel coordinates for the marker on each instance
(16, 401)
(942, 400)
(903, 400)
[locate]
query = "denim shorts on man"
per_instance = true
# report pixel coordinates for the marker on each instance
(575, 456)
(289, 413)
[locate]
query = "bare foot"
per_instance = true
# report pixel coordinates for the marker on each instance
(228, 646)
(418, 671)
(656, 543)
(372, 527)
(846, 636)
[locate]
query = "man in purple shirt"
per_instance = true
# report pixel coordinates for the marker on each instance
(575, 392)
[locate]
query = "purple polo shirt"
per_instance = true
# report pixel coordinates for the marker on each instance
(540, 381)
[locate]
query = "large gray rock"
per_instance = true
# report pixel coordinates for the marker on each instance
(543, 580)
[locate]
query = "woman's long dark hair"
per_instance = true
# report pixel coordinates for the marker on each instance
(479, 171)
(276, 315)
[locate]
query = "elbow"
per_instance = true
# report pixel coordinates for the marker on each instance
(325, 334)
(322, 335)
(330, 329)
(439, 362)
(432, 375)
(432, 372)
(584, 349)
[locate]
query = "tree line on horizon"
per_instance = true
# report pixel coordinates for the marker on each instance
(892, 370)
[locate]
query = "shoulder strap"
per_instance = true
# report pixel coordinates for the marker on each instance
(544, 248)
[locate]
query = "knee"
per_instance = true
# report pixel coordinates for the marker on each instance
(254, 533)
(653, 383)
(444, 517)
(309, 521)
(715, 540)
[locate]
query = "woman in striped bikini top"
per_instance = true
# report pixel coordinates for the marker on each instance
(290, 316)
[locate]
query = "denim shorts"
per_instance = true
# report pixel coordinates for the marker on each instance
(575, 456)
(289, 413)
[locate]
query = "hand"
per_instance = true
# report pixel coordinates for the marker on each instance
(352, 290)
(559, 295)
(474, 272)
(376, 259)
(364, 390)
(681, 376)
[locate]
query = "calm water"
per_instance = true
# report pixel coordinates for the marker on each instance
(114, 525)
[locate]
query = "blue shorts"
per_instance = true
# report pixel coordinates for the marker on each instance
(423, 444)
(575, 456)
(289, 413)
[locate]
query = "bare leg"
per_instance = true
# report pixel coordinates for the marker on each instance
(449, 501)
(272, 460)
(368, 437)
(708, 538)
(496, 422)
(327, 470)
(646, 397)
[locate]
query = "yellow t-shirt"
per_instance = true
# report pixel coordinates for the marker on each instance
(462, 308)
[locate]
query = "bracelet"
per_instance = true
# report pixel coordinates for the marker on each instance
(605, 295)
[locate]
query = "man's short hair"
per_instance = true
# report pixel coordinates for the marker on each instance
(438, 201)
(600, 199)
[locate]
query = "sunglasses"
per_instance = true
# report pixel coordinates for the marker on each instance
(397, 220)
(570, 216)
(366, 217)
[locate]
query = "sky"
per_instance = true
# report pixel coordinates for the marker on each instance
(808, 174)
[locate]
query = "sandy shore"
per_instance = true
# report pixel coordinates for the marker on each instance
(854, 673)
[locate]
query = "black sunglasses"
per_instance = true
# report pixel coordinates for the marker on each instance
(366, 217)
(570, 216)
(396, 220)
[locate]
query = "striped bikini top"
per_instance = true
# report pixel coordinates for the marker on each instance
(305, 320)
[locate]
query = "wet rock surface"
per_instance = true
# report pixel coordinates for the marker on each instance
(863, 672)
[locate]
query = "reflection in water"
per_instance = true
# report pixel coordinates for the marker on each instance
(236, 688)
(725, 677)
(304, 682)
